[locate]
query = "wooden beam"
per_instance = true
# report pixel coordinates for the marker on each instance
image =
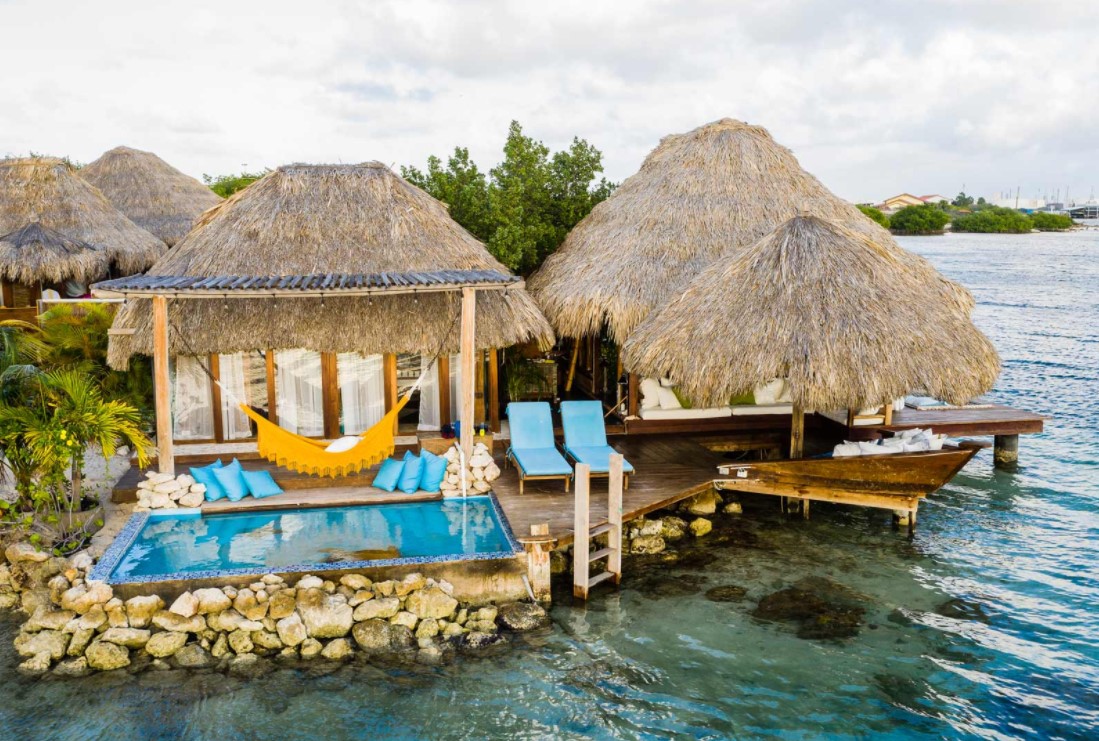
(442, 366)
(272, 395)
(468, 355)
(389, 383)
(330, 395)
(215, 398)
(634, 394)
(493, 400)
(572, 363)
(163, 392)
(797, 432)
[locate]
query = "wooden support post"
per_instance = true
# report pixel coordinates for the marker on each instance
(215, 398)
(330, 396)
(634, 392)
(888, 413)
(163, 391)
(597, 370)
(272, 395)
(493, 400)
(797, 432)
(468, 358)
(1005, 451)
(442, 366)
(581, 532)
(614, 516)
(850, 419)
(538, 550)
(389, 383)
(572, 364)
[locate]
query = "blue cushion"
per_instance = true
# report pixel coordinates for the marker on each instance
(231, 480)
(433, 471)
(541, 462)
(410, 476)
(531, 424)
(582, 423)
(205, 476)
(260, 484)
(389, 474)
(598, 457)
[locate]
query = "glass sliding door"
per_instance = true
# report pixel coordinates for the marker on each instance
(192, 402)
(243, 378)
(299, 396)
(361, 381)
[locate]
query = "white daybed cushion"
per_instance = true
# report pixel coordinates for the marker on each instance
(668, 399)
(742, 410)
(344, 443)
(846, 450)
(864, 421)
(705, 413)
(650, 394)
(768, 393)
(667, 383)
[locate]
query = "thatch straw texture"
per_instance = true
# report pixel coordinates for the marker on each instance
(697, 195)
(846, 320)
(36, 254)
(153, 194)
(306, 219)
(46, 190)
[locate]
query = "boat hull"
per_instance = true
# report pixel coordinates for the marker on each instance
(896, 482)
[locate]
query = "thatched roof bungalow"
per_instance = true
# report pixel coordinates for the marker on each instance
(37, 255)
(48, 191)
(150, 192)
(697, 196)
(340, 230)
(845, 319)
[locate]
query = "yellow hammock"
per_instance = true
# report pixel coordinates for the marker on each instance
(304, 455)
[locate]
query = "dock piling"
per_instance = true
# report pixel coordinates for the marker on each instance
(1005, 451)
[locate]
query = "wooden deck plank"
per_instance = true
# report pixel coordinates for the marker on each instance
(668, 470)
(995, 420)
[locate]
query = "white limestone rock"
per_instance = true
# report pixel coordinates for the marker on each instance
(185, 605)
(191, 499)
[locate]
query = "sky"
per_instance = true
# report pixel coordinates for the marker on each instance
(874, 98)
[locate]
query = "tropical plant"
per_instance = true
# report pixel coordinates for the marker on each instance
(1047, 222)
(925, 219)
(227, 185)
(874, 214)
(996, 220)
(524, 377)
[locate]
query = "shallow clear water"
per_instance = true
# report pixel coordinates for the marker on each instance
(1017, 657)
(280, 540)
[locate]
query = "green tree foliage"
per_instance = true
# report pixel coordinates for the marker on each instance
(962, 201)
(995, 220)
(227, 185)
(875, 214)
(527, 203)
(1046, 222)
(925, 219)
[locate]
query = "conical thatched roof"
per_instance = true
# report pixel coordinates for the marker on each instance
(153, 194)
(844, 318)
(46, 190)
(37, 254)
(308, 219)
(697, 195)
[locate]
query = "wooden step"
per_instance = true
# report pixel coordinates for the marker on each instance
(601, 553)
(600, 529)
(599, 578)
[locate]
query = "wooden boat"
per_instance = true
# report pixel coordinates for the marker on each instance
(895, 482)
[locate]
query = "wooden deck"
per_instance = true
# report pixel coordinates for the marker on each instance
(996, 420)
(668, 469)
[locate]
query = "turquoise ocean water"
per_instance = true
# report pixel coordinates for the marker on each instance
(982, 626)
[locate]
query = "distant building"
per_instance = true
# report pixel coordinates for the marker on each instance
(896, 203)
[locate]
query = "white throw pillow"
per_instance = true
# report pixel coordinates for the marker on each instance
(668, 399)
(343, 444)
(787, 395)
(846, 450)
(650, 394)
(667, 383)
(769, 392)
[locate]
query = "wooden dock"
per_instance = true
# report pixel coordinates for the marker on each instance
(668, 470)
(993, 420)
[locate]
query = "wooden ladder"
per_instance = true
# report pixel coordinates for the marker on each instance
(583, 532)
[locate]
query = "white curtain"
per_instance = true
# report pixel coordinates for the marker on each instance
(192, 404)
(455, 386)
(298, 394)
(243, 379)
(430, 418)
(362, 391)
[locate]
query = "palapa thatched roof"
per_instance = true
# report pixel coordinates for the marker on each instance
(308, 219)
(37, 254)
(697, 195)
(153, 194)
(46, 190)
(842, 317)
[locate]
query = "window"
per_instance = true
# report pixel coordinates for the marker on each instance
(361, 382)
(192, 403)
(299, 396)
(243, 378)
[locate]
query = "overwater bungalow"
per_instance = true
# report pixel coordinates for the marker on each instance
(150, 192)
(72, 217)
(292, 312)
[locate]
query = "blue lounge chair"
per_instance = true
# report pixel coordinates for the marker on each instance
(586, 438)
(532, 446)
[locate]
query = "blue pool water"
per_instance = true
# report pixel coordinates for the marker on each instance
(302, 539)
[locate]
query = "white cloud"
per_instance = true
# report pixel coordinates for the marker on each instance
(874, 98)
